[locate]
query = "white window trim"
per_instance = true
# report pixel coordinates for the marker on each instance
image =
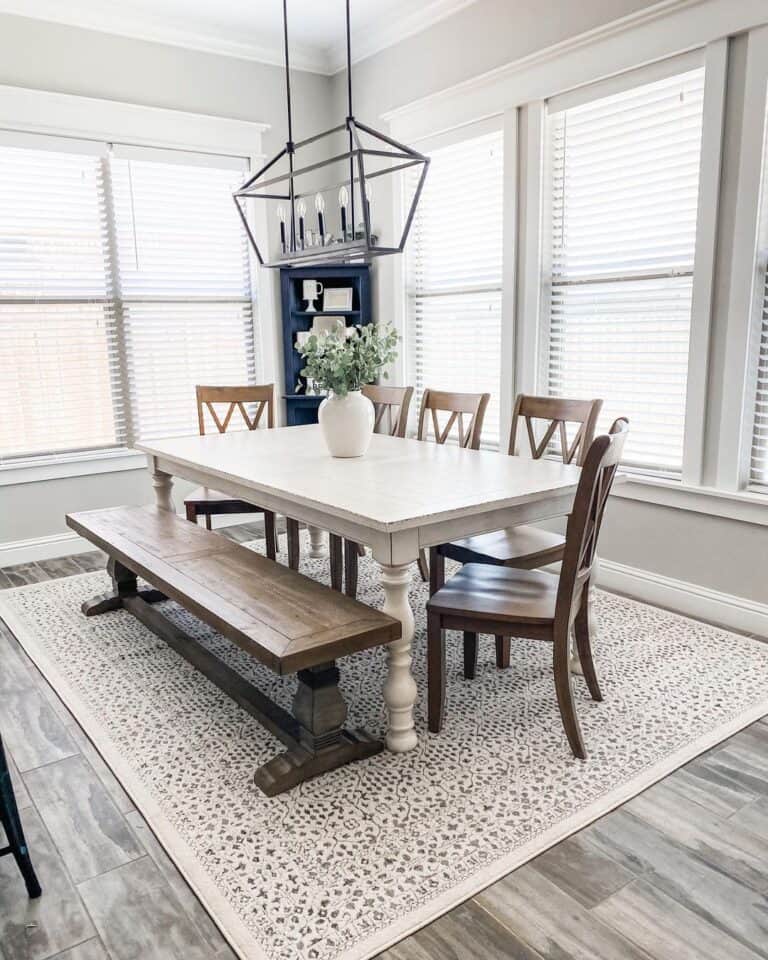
(734, 505)
(704, 262)
(736, 417)
(25, 111)
(715, 61)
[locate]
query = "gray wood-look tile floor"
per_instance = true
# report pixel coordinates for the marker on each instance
(680, 871)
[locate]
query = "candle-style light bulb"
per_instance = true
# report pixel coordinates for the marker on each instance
(320, 208)
(343, 201)
(281, 218)
(301, 209)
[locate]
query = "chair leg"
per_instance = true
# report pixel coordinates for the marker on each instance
(502, 652)
(191, 509)
(292, 526)
(335, 552)
(11, 822)
(470, 655)
(564, 690)
(584, 647)
(207, 521)
(270, 534)
(436, 570)
(423, 565)
(351, 554)
(435, 673)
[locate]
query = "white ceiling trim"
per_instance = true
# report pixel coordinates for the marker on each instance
(156, 30)
(387, 33)
(366, 41)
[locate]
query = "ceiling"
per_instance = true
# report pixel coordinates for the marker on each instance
(251, 29)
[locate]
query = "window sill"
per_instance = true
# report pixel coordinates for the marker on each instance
(742, 505)
(75, 465)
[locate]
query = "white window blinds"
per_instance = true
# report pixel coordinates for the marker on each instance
(620, 237)
(453, 268)
(124, 281)
(758, 472)
(57, 334)
(184, 289)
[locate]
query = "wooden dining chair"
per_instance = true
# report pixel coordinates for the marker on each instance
(457, 406)
(14, 833)
(221, 404)
(546, 421)
(533, 604)
(391, 406)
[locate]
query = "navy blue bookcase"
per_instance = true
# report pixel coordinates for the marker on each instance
(301, 408)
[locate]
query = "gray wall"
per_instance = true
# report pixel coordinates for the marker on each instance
(49, 56)
(485, 35)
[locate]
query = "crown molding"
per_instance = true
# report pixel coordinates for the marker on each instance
(329, 60)
(387, 32)
(156, 30)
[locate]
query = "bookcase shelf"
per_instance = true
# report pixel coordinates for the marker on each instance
(300, 407)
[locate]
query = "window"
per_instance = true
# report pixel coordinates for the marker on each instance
(620, 233)
(453, 267)
(124, 281)
(758, 473)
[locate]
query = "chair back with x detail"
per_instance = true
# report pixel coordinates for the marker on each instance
(390, 404)
(557, 412)
(457, 406)
(261, 398)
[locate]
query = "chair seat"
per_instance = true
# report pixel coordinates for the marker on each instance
(523, 546)
(498, 593)
(202, 496)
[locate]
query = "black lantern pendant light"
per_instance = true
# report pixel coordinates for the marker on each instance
(334, 234)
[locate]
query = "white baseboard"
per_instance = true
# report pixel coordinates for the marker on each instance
(66, 543)
(738, 613)
(42, 548)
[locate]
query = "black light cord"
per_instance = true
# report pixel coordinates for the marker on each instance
(289, 145)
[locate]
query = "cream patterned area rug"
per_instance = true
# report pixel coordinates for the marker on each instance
(347, 864)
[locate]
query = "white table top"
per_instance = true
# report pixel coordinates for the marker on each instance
(398, 484)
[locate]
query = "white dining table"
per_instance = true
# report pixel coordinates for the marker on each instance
(403, 495)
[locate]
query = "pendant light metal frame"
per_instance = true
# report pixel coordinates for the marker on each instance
(357, 249)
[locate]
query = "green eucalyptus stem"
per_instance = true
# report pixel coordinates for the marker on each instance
(340, 364)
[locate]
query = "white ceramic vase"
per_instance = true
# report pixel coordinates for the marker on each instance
(347, 424)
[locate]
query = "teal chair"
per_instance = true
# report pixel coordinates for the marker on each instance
(9, 817)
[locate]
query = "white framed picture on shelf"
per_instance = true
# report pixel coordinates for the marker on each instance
(337, 298)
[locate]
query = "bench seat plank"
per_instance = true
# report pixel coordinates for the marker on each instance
(280, 617)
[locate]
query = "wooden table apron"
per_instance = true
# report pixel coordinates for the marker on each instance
(394, 550)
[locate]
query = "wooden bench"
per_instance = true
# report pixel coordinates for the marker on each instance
(287, 621)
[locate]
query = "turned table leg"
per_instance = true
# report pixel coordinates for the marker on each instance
(316, 542)
(163, 484)
(400, 688)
